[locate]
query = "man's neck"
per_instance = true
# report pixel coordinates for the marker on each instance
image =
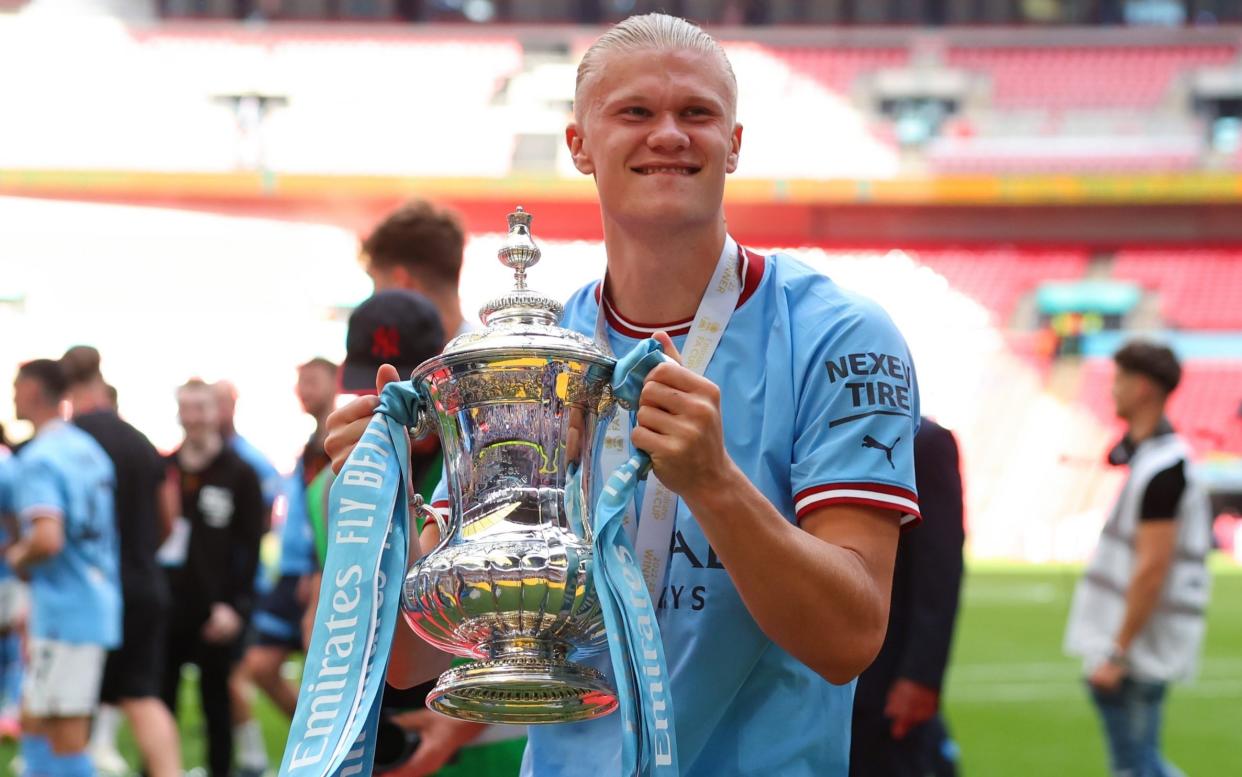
(1144, 423)
(448, 305)
(40, 420)
(321, 425)
(656, 278)
(89, 400)
(196, 453)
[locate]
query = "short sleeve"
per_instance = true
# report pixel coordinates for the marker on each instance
(857, 413)
(38, 491)
(1163, 494)
(440, 498)
(6, 483)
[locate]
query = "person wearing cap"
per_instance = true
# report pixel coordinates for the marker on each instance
(276, 628)
(1137, 618)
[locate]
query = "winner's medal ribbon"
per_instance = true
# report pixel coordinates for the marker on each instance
(333, 730)
(649, 738)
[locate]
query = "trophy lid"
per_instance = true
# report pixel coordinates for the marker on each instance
(522, 320)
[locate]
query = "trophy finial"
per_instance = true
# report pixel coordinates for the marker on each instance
(519, 251)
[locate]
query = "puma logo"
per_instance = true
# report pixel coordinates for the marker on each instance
(871, 442)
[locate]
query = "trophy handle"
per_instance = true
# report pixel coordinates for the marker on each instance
(418, 505)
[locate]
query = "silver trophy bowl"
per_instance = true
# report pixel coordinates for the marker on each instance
(518, 407)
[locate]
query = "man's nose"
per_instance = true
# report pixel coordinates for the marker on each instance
(667, 134)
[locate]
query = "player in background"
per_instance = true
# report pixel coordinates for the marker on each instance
(13, 603)
(418, 247)
(246, 729)
(132, 674)
(276, 628)
(68, 550)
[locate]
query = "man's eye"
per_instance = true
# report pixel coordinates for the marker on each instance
(635, 110)
(697, 112)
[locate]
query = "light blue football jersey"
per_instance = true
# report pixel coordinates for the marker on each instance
(76, 594)
(297, 542)
(820, 406)
(8, 470)
(270, 480)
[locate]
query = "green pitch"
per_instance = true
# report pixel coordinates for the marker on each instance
(1015, 705)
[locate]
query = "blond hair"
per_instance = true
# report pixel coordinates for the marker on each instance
(645, 32)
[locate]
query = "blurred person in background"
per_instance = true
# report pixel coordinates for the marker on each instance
(270, 481)
(12, 602)
(68, 550)
(211, 557)
(276, 629)
(403, 329)
(246, 728)
(1137, 618)
(418, 247)
(134, 671)
(897, 731)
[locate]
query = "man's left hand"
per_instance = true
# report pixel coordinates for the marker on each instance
(909, 705)
(1107, 676)
(679, 426)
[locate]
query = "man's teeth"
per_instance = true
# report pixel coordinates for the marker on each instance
(677, 170)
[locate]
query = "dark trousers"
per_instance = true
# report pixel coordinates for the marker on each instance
(921, 753)
(186, 646)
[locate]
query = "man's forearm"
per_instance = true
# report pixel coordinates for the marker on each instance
(1142, 597)
(412, 660)
(818, 601)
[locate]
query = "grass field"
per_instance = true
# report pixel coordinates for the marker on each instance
(1015, 704)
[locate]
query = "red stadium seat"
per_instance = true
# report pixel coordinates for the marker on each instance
(1198, 288)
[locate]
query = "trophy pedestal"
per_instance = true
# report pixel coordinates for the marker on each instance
(525, 682)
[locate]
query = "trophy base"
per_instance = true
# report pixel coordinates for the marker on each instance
(523, 691)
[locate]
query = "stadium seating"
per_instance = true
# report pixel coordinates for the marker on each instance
(1054, 78)
(998, 278)
(837, 69)
(1197, 288)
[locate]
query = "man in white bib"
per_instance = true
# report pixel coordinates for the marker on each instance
(1137, 617)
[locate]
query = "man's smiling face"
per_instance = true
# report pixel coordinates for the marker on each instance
(656, 128)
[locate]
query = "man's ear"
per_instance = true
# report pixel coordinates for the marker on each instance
(735, 148)
(577, 149)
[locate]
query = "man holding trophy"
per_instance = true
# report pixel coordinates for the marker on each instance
(745, 583)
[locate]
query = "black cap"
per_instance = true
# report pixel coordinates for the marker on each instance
(394, 327)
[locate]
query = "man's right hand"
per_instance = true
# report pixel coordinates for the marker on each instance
(346, 424)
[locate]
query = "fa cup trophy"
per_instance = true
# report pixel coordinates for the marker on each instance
(519, 406)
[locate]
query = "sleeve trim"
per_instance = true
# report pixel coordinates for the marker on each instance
(41, 511)
(867, 494)
(441, 506)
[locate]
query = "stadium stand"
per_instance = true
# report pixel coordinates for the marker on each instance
(998, 278)
(1197, 288)
(1056, 78)
(838, 69)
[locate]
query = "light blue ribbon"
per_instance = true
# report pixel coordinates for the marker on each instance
(333, 729)
(649, 738)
